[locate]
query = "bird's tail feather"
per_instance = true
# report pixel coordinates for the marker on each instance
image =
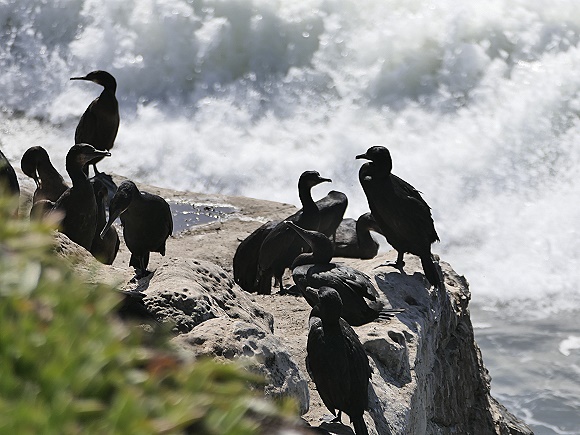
(432, 272)
(360, 428)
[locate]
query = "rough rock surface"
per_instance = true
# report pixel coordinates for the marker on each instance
(188, 292)
(428, 375)
(261, 350)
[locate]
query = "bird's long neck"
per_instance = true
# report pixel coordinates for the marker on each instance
(77, 176)
(310, 218)
(363, 235)
(322, 251)
(47, 172)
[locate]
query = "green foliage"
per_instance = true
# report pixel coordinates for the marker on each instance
(68, 366)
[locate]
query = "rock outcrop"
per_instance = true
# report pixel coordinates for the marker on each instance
(428, 375)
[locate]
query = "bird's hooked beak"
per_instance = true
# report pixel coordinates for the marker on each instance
(322, 180)
(112, 219)
(362, 156)
(79, 78)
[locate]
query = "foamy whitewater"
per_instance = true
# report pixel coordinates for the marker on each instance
(478, 102)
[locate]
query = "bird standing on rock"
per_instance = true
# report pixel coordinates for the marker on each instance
(401, 213)
(77, 204)
(281, 246)
(337, 362)
(147, 223)
(100, 122)
(313, 270)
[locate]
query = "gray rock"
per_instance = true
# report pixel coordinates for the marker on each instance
(259, 349)
(188, 292)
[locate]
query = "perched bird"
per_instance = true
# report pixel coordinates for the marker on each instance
(8, 179)
(77, 204)
(401, 213)
(147, 223)
(353, 238)
(245, 261)
(331, 210)
(313, 270)
(337, 362)
(281, 246)
(36, 164)
(100, 122)
(105, 249)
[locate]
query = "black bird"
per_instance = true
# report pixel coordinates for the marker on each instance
(77, 204)
(36, 164)
(401, 213)
(314, 270)
(353, 238)
(105, 249)
(100, 122)
(281, 246)
(245, 262)
(331, 209)
(337, 362)
(147, 223)
(8, 179)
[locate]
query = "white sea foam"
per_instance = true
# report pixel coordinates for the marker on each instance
(569, 344)
(477, 101)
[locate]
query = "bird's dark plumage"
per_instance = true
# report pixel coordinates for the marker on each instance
(281, 246)
(147, 223)
(314, 270)
(8, 179)
(336, 360)
(77, 204)
(401, 213)
(105, 249)
(331, 209)
(353, 238)
(99, 124)
(36, 164)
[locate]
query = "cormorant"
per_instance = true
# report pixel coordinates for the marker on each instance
(105, 249)
(147, 223)
(331, 209)
(314, 270)
(281, 246)
(245, 262)
(353, 238)
(337, 362)
(77, 204)
(36, 164)
(401, 213)
(8, 179)
(100, 122)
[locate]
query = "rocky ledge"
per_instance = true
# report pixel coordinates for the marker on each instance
(428, 374)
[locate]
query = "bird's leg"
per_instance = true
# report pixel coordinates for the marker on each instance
(399, 264)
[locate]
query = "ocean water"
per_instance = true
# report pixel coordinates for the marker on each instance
(479, 103)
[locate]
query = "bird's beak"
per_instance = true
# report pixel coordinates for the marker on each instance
(112, 219)
(322, 180)
(362, 156)
(79, 78)
(99, 153)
